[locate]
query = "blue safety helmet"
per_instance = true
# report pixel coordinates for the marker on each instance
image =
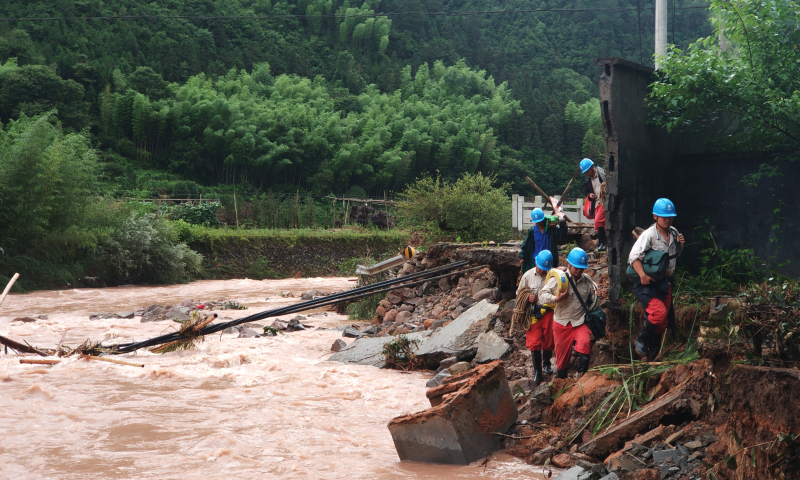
(664, 208)
(537, 215)
(578, 258)
(586, 164)
(544, 260)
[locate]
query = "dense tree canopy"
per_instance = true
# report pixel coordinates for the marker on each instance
(546, 60)
(751, 84)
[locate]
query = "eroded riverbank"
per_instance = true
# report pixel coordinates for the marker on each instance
(231, 408)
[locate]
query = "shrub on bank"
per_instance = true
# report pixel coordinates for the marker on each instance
(471, 208)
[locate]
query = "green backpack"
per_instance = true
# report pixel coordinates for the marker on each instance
(654, 264)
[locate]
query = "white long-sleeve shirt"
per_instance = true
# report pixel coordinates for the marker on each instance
(569, 309)
(532, 280)
(650, 239)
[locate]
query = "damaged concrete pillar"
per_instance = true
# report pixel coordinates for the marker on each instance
(460, 426)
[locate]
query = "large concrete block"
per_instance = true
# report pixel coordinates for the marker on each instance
(460, 334)
(367, 350)
(466, 411)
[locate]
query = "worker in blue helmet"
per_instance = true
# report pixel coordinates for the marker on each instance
(593, 186)
(545, 234)
(568, 316)
(656, 295)
(539, 336)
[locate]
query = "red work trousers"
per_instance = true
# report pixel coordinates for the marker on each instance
(540, 335)
(599, 215)
(658, 312)
(565, 336)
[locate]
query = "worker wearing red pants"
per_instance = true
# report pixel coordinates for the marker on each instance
(539, 336)
(655, 294)
(593, 186)
(568, 316)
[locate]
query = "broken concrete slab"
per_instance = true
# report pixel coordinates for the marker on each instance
(367, 350)
(491, 347)
(459, 335)
(467, 411)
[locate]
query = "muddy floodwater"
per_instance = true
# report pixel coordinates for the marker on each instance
(259, 408)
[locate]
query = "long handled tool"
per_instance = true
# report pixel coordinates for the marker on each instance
(8, 287)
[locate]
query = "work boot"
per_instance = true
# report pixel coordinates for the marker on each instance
(645, 338)
(583, 363)
(537, 366)
(602, 240)
(561, 373)
(546, 366)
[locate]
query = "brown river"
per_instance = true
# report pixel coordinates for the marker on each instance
(259, 408)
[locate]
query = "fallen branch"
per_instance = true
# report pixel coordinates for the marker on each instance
(20, 348)
(111, 360)
(36, 361)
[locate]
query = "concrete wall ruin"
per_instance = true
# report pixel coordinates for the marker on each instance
(645, 162)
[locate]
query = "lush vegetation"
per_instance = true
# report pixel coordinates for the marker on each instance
(362, 101)
(469, 209)
(749, 85)
(259, 118)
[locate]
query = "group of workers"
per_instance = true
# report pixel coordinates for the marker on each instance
(559, 320)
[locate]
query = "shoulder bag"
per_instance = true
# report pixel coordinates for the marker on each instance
(595, 319)
(654, 263)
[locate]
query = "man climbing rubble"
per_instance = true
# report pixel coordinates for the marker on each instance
(655, 295)
(593, 187)
(545, 234)
(568, 315)
(539, 336)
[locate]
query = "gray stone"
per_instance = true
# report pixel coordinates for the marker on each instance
(158, 313)
(486, 293)
(491, 347)
(693, 445)
(102, 316)
(309, 295)
(511, 304)
(542, 455)
(403, 316)
(185, 310)
(498, 327)
(294, 324)
(610, 476)
(458, 335)
(437, 379)
(467, 302)
(127, 315)
(233, 329)
(351, 332)
(406, 308)
(447, 362)
(338, 345)
(458, 368)
(367, 350)
(248, 333)
(439, 323)
(574, 473)
(664, 455)
(526, 384)
(187, 303)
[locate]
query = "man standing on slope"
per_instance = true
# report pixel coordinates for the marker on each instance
(568, 318)
(539, 336)
(592, 186)
(656, 295)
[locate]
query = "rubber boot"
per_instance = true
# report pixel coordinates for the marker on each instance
(537, 366)
(583, 363)
(645, 338)
(654, 348)
(602, 240)
(546, 366)
(561, 373)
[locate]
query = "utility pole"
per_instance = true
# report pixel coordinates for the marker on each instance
(661, 29)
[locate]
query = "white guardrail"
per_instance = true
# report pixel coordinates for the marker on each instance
(521, 213)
